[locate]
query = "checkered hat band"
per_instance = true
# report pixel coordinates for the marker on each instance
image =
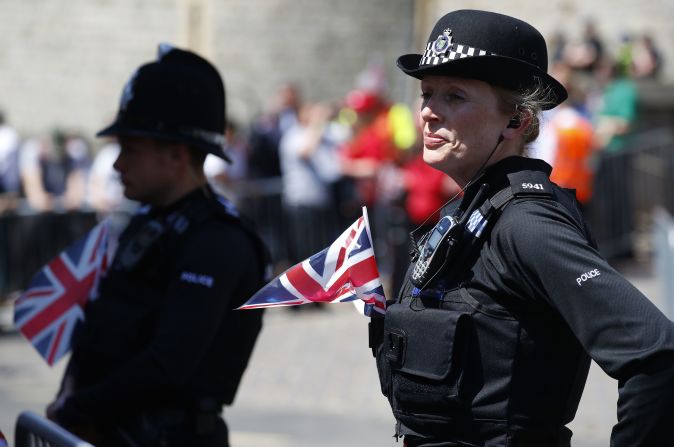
(455, 51)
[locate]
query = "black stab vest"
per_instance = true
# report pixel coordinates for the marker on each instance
(456, 368)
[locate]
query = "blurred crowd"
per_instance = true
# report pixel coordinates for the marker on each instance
(57, 172)
(327, 160)
(602, 79)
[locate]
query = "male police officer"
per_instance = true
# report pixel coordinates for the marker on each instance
(161, 350)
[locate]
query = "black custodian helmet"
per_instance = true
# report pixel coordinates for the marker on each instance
(179, 97)
(487, 46)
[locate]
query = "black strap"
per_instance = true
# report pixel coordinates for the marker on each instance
(566, 199)
(501, 198)
(524, 184)
(375, 334)
(190, 215)
(496, 203)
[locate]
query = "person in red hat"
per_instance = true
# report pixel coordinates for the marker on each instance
(507, 298)
(161, 349)
(371, 144)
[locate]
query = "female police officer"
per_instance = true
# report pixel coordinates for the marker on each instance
(490, 340)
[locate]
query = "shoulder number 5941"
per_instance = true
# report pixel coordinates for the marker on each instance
(532, 186)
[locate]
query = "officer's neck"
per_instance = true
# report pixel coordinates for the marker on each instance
(495, 175)
(185, 183)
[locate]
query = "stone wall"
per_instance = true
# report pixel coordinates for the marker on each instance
(64, 62)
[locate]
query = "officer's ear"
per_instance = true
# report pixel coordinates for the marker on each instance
(177, 152)
(517, 125)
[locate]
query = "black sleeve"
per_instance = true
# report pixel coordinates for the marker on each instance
(629, 338)
(201, 290)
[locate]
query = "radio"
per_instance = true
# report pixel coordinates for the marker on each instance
(438, 243)
(433, 252)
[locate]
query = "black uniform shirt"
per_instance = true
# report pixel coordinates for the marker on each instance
(163, 332)
(539, 256)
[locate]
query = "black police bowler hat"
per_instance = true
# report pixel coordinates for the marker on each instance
(179, 97)
(487, 46)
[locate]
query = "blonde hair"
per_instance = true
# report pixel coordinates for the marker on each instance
(529, 101)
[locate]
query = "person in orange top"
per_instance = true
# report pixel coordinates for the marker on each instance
(574, 139)
(571, 168)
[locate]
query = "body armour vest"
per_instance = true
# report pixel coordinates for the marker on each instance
(123, 321)
(470, 362)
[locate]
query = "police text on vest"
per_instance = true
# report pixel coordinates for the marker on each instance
(194, 278)
(587, 275)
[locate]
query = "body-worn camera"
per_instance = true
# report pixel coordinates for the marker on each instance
(433, 252)
(131, 254)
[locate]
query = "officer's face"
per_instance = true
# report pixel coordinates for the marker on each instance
(147, 169)
(461, 122)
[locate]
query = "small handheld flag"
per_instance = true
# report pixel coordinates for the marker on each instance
(345, 271)
(51, 307)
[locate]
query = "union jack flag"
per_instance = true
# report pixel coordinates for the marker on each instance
(345, 271)
(51, 307)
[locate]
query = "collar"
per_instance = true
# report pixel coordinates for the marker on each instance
(496, 175)
(200, 194)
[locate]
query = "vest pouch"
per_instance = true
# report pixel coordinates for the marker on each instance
(425, 350)
(376, 335)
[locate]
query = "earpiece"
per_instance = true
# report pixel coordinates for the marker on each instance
(514, 122)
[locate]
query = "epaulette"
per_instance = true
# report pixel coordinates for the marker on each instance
(522, 184)
(530, 184)
(227, 207)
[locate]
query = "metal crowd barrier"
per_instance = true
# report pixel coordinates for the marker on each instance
(663, 240)
(28, 241)
(260, 201)
(628, 186)
(33, 430)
